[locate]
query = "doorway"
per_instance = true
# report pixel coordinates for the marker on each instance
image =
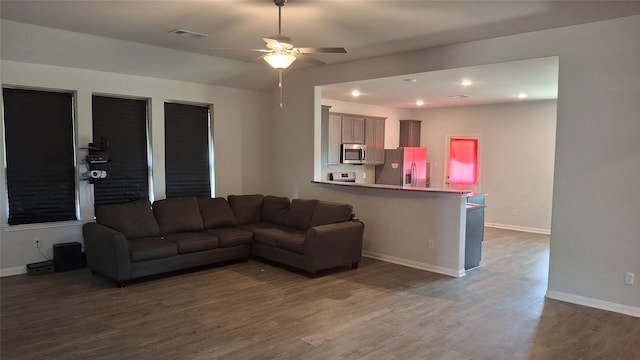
(462, 163)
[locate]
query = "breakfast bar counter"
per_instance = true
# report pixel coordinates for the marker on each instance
(424, 228)
(393, 187)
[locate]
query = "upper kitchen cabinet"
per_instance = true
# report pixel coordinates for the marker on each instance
(353, 129)
(339, 128)
(334, 139)
(410, 133)
(374, 139)
(331, 137)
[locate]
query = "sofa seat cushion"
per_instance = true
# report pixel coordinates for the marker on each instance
(229, 237)
(150, 248)
(256, 226)
(133, 219)
(178, 215)
(216, 212)
(285, 238)
(192, 241)
(292, 242)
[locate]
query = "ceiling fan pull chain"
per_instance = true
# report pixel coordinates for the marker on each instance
(280, 86)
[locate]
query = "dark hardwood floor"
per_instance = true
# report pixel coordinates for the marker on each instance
(255, 310)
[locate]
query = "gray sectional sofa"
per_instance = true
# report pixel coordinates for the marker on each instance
(135, 239)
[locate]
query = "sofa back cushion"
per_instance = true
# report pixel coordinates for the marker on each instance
(330, 213)
(300, 213)
(216, 212)
(133, 219)
(247, 208)
(274, 209)
(180, 214)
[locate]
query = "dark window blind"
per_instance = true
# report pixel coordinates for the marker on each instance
(39, 142)
(123, 124)
(187, 150)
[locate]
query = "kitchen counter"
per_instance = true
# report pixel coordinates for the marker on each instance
(393, 187)
(423, 228)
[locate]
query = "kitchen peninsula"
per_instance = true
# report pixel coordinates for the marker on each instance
(424, 228)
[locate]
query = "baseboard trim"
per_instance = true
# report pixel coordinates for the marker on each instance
(414, 264)
(18, 270)
(594, 303)
(519, 228)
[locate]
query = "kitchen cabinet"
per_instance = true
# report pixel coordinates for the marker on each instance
(410, 133)
(331, 137)
(474, 234)
(339, 128)
(334, 139)
(352, 129)
(374, 139)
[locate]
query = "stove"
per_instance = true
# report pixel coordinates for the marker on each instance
(348, 176)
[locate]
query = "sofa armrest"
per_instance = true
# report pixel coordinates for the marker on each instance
(333, 245)
(107, 251)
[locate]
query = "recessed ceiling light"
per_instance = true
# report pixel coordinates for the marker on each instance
(419, 102)
(522, 96)
(459, 96)
(466, 82)
(355, 93)
(410, 80)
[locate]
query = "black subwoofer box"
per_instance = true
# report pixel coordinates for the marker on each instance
(67, 256)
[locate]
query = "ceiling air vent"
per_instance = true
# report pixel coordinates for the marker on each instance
(187, 33)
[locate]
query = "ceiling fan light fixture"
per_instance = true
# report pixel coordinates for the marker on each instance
(279, 60)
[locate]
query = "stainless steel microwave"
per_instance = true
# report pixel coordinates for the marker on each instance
(353, 154)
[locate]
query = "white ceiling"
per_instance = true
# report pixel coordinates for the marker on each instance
(493, 83)
(367, 28)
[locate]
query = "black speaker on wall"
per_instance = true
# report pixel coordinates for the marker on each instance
(67, 256)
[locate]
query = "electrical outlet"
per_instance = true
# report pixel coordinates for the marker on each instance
(364, 175)
(629, 278)
(514, 212)
(432, 244)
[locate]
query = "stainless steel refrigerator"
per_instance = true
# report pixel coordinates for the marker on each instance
(406, 166)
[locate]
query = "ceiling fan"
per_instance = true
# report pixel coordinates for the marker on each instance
(280, 53)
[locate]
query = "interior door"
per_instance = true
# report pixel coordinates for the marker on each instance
(462, 163)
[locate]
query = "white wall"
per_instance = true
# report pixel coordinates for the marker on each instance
(240, 125)
(595, 228)
(517, 152)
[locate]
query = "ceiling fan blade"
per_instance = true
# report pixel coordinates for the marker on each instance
(309, 59)
(277, 38)
(311, 50)
(238, 49)
(256, 59)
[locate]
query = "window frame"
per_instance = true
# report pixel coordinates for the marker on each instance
(74, 157)
(210, 140)
(148, 135)
(470, 136)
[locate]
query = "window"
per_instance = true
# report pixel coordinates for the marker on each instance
(463, 161)
(40, 156)
(122, 123)
(187, 143)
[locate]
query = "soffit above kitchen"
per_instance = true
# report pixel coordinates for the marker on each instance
(536, 79)
(367, 28)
